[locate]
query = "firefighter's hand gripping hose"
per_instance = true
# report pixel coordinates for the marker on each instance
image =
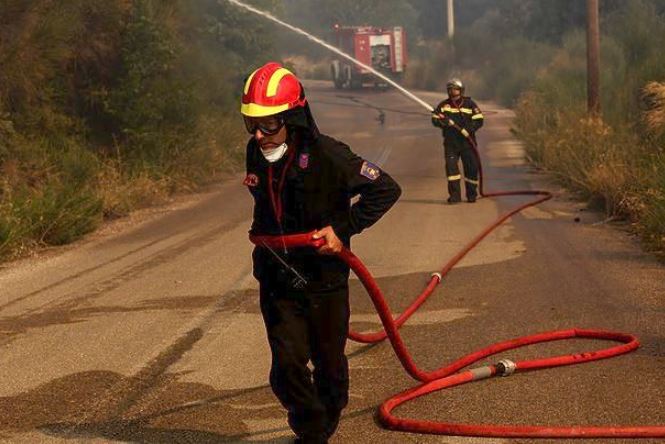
(448, 376)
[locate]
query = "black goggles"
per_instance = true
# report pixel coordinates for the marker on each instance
(267, 126)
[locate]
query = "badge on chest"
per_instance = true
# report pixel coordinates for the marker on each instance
(251, 180)
(303, 161)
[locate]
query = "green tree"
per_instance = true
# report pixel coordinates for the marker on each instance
(152, 103)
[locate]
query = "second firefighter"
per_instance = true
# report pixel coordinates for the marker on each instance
(459, 118)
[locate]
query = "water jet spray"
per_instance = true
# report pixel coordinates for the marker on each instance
(315, 39)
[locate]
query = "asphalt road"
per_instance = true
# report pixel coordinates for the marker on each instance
(152, 333)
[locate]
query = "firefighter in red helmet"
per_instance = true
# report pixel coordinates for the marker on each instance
(459, 118)
(302, 180)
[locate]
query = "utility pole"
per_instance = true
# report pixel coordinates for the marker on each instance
(451, 19)
(593, 58)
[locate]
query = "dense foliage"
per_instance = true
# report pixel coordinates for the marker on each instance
(106, 105)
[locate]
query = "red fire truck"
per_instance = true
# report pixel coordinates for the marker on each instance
(384, 49)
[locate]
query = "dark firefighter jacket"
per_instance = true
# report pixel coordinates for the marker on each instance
(465, 113)
(319, 184)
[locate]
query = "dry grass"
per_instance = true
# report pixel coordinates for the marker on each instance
(120, 195)
(616, 168)
(654, 95)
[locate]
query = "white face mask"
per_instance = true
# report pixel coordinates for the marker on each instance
(272, 155)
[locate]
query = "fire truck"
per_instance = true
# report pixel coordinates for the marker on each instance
(384, 49)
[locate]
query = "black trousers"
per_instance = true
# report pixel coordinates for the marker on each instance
(470, 165)
(304, 326)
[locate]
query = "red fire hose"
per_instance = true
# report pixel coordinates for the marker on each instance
(446, 376)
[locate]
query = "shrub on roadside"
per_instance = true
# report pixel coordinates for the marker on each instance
(652, 222)
(46, 197)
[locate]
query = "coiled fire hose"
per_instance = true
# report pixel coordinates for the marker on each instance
(447, 376)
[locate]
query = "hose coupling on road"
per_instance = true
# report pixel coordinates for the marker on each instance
(438, 276)
(505, 367)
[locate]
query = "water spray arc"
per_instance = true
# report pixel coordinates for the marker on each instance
(452, 375)
(309, 36)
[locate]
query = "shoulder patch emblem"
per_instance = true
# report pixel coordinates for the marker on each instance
(370, 171)
(251, 180)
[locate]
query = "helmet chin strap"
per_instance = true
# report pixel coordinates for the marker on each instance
(272, 155)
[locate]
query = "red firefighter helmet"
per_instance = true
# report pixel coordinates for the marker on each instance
(270, 90)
